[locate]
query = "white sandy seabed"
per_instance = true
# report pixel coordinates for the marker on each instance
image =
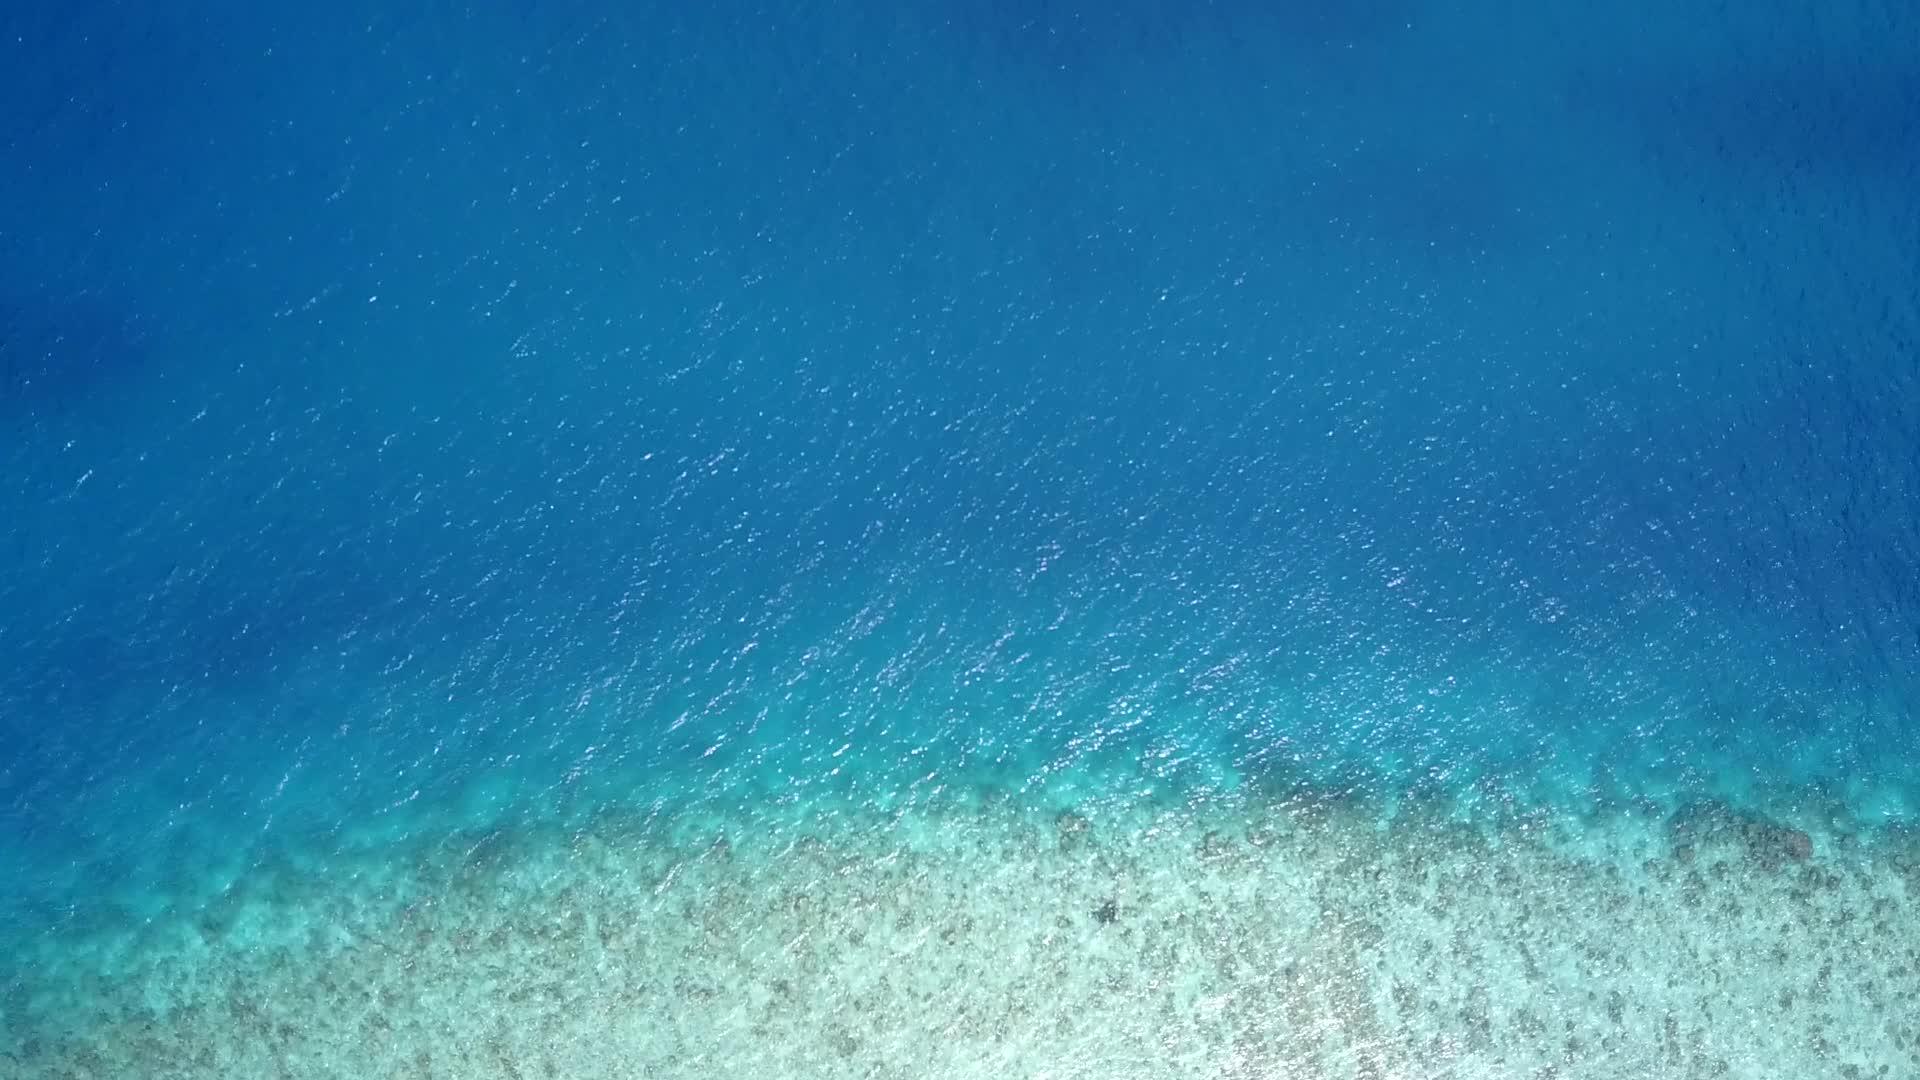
(1234, 938)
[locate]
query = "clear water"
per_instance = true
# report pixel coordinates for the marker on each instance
(905, 424)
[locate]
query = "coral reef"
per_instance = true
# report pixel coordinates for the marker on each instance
(1219, 941)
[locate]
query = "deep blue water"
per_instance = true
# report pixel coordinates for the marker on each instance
(415, 418)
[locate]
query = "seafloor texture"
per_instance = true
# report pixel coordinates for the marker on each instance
(1295, 938)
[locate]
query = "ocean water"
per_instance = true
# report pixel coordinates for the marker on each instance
(938, 539)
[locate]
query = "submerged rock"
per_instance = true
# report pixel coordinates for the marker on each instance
(1214, 846)
(1702, 826)
(1071, 829)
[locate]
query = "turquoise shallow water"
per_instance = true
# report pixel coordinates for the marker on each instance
(447, 425)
